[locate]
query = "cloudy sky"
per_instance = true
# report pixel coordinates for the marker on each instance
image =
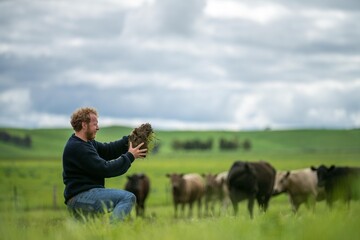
(189, 64)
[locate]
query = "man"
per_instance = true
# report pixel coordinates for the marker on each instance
(86, 164)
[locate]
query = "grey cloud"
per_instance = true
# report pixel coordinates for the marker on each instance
(351, 5)
(179, 17)
(166, 18)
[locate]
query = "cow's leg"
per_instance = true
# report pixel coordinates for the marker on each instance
(329, 201)
(348, 196)
(234, 202)
(266, 202)
(137, 208)
(251, 206)
(182, 210)
(190, 209)
(207, 200)
(295, 204)
(175, 210)
(295, 207)
(235, 206)
(347, 201)
(199, 208)
(141, 209)
(311, 202)
(262, 202)
(212, 207)
(225, 204)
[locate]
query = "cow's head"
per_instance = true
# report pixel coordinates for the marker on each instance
(281, 182)
(134, 180)
(323, 173)
(177, 181)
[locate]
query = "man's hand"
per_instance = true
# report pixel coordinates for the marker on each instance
(137, 152)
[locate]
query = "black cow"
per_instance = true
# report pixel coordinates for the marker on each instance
(250, 180)
(139, 185)
(339, 183)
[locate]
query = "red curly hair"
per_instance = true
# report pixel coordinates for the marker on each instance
(81, 115)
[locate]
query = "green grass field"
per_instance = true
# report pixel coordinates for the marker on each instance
(31, 202)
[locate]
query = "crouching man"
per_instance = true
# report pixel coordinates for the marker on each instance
(86, 164)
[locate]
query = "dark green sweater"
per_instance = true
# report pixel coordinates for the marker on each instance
(87, 164)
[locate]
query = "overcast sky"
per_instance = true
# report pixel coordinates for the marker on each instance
(189, 64)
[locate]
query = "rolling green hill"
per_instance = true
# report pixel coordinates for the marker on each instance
(48, 143)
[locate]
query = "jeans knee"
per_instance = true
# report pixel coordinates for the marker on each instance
(132, 198)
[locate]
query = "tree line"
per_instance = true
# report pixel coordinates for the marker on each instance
(224, 144)
(16, 140)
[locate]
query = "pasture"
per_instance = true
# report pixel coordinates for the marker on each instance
(31, 202)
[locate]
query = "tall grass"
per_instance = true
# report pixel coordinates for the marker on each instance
(340, 223)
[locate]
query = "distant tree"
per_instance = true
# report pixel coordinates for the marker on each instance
(225, 144)
(16, 140)
(27, 141)
(247, 145)
(194, 144)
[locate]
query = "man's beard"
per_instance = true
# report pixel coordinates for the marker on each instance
(90, 136)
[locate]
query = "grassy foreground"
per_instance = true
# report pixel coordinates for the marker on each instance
(338, 224)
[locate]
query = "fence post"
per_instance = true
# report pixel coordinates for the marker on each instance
(54, 196)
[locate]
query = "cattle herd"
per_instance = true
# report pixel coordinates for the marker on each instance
(253, 181)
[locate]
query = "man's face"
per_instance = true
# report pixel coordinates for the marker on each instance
(92, 127)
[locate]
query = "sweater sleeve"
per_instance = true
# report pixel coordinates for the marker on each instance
(93, 164)
(111, 150)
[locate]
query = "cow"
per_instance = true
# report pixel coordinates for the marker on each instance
(186, 189)
(339, 183)
(301, 185)
(251, 180)
(216, 191)
(139, 185)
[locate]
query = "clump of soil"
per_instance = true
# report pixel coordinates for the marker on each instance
(144, 133)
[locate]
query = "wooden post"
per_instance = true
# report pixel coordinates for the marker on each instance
(54, 197)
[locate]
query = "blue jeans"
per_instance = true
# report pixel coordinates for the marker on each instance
(101, 200)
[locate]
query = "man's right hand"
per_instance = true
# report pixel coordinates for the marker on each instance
(137, 152)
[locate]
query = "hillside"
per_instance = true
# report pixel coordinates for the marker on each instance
(49, 143)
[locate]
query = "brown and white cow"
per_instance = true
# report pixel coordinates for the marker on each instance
(216, 191)
(251, 180)
(186, 189)
(139, 185)
(300, 185)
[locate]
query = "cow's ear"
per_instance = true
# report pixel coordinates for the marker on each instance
(141, 175)
(332, 167)
(167, 175)
(313, 168)
(128, 177)
(287, 174)
(181, 175)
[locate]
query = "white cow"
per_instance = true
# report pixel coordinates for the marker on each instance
(301, 186)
